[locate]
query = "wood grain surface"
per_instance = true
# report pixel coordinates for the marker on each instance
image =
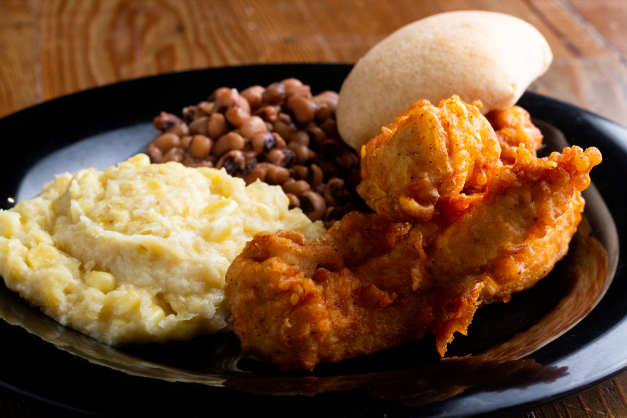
(49, 48)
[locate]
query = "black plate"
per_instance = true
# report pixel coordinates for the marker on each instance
(527, 353)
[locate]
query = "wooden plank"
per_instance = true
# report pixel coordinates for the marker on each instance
(607, 18)
(19, 84)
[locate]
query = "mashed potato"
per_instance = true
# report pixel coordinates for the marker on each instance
(138, 253)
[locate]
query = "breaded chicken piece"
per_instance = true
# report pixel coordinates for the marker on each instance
(369, 284)
(513, 126)
(426, 157)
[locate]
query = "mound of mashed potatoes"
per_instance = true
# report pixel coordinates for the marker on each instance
(138, 253)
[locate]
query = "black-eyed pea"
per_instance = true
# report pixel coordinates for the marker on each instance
(315, 175)
(279, 142)
(155, 154)
(336, 192)
(257, 173)
(291, 85)
(190, 113)
(328, 99)
(165, 142)
(253, 95)
(274, 94)
(175, 154)
(217, 92)
(180, 129)
(206, 107)
(186, 141)
(281, 157)
(297, 187)
(165, 121)
(294, 200)
(217, 125)
(302, 108)
(268, 113)
(199, 126)
(233, 162)
(225, 98)
(347, 160)
(276, 174)
(252, 126)
(263, 143)
(302, 153)
(228, 142)
(313, 205)
(193, 162)
(243, 104)
(301, 137)
(301, 172)
(329, 127)
(284, 126)
(236, 116)
(200, 147)
(316, 136)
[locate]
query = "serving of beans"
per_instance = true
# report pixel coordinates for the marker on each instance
(279, 134)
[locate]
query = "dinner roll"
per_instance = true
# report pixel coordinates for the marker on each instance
(486, 56)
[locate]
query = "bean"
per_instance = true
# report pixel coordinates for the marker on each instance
(225, 99)
(217, 126)
(301, 138)
(293, 199)
(276, 174)
(302, 108)
(175, 154)
(233, 162)
(284, 126)
(262, 143)
(206, 107)
(252, 126)
(297, 187)
(315, 175)
(313, 205)
(236, 116)
(301, 172)
(253, 95)
(165, 121)
(217, 92)
(257, 173)
(317, 136)
(228, 142)
(193, 162)
(199, 126)
(291, 85)
(200, 147)
(279, 142)
(179, 129)
(274, 94)
(243, 104)
(335, 193)
(347, 159)
(328, 168)
(155, 154)
(330, 128)
(331, 148)
(186, 141)
(190, 113)
(323, 113)
(268, 113)
(301, 152)
(281, 157)
(328, 99)
(165, 142)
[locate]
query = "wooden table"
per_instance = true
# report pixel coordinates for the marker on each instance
(49, 48)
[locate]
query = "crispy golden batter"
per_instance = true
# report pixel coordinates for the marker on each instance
(513, 126)
(369, 284)
(426, 157)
